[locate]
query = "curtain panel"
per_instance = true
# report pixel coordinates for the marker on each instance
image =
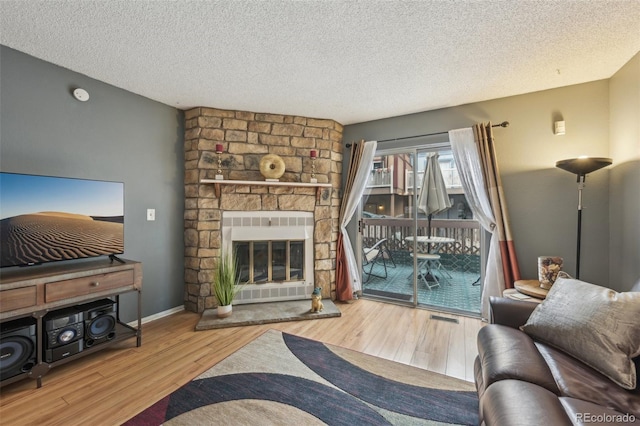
(347, 275)
(474, 154)
(486, 144)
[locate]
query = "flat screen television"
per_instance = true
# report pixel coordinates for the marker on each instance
(47, 219)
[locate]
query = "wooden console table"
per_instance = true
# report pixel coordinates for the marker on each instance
(38, 290)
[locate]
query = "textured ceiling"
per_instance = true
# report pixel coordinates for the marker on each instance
(351, 61)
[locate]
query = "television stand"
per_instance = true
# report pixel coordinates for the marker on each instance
(30, 297)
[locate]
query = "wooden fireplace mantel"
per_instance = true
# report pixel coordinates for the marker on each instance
(217, 182)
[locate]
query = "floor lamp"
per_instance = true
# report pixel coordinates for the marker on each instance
(581, 166)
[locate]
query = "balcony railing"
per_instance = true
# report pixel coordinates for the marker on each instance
(463, 253)
(380, 178)
(451, 178)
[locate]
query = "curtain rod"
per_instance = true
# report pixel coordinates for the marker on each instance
(503, 124)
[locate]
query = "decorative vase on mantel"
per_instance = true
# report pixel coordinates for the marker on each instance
(225, 284)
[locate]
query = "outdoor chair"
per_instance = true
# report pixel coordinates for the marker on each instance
(430, 262)
(378, 254)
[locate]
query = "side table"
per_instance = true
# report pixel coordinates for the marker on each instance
(526, 290)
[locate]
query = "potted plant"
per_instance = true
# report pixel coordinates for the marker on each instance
(225, 283)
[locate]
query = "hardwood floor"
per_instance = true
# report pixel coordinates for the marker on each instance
(111, 386)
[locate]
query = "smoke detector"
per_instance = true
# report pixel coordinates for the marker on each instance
(81, 95)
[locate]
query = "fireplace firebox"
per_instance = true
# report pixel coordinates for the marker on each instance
(274, 253)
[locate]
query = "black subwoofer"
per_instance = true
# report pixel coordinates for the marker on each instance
(17, 347)
(99, 321)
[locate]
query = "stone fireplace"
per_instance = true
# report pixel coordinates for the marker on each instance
(298, 223)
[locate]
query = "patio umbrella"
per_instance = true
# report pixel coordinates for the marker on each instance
(433, 197)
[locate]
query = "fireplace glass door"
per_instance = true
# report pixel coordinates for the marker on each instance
(269, 261)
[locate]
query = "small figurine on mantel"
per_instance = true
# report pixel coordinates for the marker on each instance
(316, 300)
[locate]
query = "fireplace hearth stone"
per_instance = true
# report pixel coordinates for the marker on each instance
(265, 313)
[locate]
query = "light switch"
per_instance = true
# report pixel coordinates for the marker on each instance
(151, 214)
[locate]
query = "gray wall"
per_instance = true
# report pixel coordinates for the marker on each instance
(624, 200)
(116, 135)
(541, 199)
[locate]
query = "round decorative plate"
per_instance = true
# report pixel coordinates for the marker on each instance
(272, 166)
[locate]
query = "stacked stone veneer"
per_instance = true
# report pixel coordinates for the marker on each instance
(246, 138)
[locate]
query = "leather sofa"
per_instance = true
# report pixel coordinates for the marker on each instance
(524, 382)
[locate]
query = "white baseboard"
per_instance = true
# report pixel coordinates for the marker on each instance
(157, 316)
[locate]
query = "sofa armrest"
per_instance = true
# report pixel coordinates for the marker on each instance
(509, 312)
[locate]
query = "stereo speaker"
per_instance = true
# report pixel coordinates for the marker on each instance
(17, 347)
(64, 351)
(64, 332)
(99, 321)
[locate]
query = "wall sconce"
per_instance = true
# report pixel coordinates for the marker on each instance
(219, 151)
(582, 166)
(559, 128)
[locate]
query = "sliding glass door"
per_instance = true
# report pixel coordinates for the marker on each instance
(387, 217)
(420, 243)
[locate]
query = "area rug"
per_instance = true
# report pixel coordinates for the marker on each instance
(282, 379)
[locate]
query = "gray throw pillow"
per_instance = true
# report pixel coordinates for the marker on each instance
(594, 324)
